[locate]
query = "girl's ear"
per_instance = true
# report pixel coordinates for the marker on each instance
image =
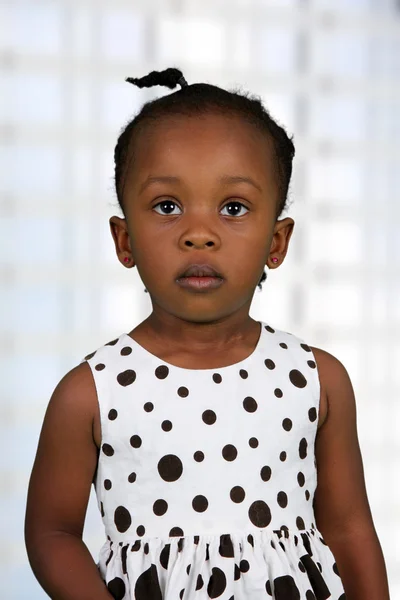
(119, 232)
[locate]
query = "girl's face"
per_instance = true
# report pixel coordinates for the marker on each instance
(201, 218)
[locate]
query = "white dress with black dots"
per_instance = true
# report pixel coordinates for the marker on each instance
(206, 477)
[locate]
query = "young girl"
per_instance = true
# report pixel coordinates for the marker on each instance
(223, 451)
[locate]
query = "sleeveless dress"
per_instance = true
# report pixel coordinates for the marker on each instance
(206, 477)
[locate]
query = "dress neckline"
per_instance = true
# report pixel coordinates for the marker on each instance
(241, 364)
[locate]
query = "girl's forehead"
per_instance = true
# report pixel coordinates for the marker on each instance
(214, 139)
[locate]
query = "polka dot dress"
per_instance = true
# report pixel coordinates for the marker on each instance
(206, 477)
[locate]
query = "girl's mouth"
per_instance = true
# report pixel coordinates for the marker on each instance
(200, 283)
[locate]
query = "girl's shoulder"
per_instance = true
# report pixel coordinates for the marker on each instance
(66, 453)
(332, 376)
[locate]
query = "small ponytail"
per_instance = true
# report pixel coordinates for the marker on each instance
(169, 78)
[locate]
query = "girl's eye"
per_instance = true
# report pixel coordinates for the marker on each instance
(234, 214)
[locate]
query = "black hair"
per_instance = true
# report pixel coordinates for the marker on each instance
(201, 98)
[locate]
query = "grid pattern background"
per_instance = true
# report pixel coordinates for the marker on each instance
(329, 71)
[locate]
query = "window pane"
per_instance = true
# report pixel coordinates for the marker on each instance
(200, 41)
(36, 98)
(273, 42)
(340, 53)
(122, 34)
(34, 27)
(338, 116)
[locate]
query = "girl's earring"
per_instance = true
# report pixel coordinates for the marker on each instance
(274, 259)
(126, 259)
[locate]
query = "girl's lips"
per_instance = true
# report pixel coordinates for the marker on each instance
(200, 283)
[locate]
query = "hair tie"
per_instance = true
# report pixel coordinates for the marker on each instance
(182, 81)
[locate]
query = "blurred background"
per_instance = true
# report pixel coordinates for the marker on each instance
(329, 72)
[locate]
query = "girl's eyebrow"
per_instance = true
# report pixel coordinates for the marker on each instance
(173, 179)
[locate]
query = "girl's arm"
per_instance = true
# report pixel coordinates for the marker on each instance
(341, 506)
(59, 490)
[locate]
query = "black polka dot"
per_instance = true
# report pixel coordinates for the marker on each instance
(116, 587)
(244, 566)
(125, 351)
(209, 417)
(164, 555)
(307, 494)
(243, 373)
(300, 523)
(107, 484)
(269, 363)
(176, 532)
(170, 467)
(147, 585)
(303, 448)
(268, 588)
(310, 595)
(107, 449)
(136, 546)
(166, 425)
(181, 593)
(198, 456)
(259, 513)
(199, 582)
(285, 530)
(265, 473)
(282, 455)
(140, 530)
(217, 378)
(229, 452)
(217, 583)
(136, 441)
(200, 503)
(250, 404)
(297, 378)
(132, 478)
(278, 393)
(160, 507)
(253, 442)
(287, 424)
(126, 377)
(100, 367)
(113, 414)
(318, 582)
(225, 546)
(237, 494)
(161, 372)
(183, 392)
(122, 518)
(300, 478)
(282, 499)
(312, 413)
(148, 407)
(285, 588)
(305, 347)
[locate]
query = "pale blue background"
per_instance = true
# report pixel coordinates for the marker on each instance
(328, 70)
